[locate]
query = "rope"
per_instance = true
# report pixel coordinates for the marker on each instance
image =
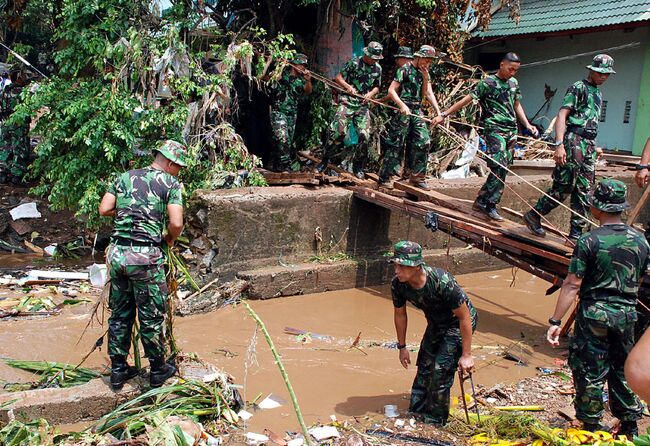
(459, 138)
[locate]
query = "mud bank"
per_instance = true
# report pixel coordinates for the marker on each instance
(295, 239)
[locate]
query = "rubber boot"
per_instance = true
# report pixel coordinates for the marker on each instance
(575, 233)
(534, 223)
(121, 372)
(629, 428)
(160, 371)
(593, 427)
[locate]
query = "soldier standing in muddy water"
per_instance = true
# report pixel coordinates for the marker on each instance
(294, 83)
(605, 271)
(575, 156)
(412, 79)
(499, 97)
(360, 77)
(447, 342)
(141, 200)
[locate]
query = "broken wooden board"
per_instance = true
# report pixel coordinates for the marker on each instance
(284, 178)
(344, 173)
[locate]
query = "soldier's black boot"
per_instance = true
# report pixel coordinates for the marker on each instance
(534, 223)
(121, 372)
(160, 371)
(575, 233)
(592, 427)
(629, 428)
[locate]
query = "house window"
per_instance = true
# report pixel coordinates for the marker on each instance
(603, 112)
(626, 113)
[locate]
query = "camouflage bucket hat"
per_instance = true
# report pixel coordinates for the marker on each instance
(428, 51)
(299, 59)
(173, 151)
(609, 196)
(405, 52)
(602, 63)
(407, 253)
(373, 50)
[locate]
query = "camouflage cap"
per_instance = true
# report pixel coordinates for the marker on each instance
(299, 59)
(374, 50)
(405, 52)
(428, 51)
(602, 63)
(407, 253)
(173, 151)
(609, 196)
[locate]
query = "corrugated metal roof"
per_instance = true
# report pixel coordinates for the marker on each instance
(546, 16)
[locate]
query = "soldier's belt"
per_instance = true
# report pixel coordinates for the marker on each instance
(581, 131)
(127, 242)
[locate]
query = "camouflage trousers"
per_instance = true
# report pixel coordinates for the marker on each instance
(604, 335)
(576, 177)
(415, 132)
(14, 152)
(137, 284)
(283, 126)
(437, 366)
(349, 133)
(500, 147)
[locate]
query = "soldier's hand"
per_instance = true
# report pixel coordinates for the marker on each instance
(560, 155)
(599, 152)
(533, 130)
(438, 120)
(466, 364)
(366, 97)
(307, 75)
(425, 73)
(553, 335)
(405, 110)
(404, 358)
(351, 90)
(641, 177)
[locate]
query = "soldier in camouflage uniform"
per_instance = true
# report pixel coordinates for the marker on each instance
(447, 342)
(412, 80)
(14, 138)
(605, 271)
(576, 128)
(360, 77)
(294, 83)
(499, 97)
(141, 201)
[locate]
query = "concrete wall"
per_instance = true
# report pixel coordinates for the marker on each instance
(621, 87)
(267, 235)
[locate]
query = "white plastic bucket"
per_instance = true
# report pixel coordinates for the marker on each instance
(98, 274)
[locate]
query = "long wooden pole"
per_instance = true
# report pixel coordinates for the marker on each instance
(637, 208)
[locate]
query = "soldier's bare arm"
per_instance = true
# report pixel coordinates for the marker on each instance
(175, 225)
(560, 129)
(521, 115)
(392, 92)
(637, 366)
(371, 94)
(432, 98)
(453, 109)
(642, 175)
(107, 205)
(308, 86)
(347, 87)
(401, 322)
(466, 362)
(568, 295)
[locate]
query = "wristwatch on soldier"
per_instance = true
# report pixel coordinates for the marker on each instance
(556, 322)
(444, 114)
(401, 346)
(558, 143)
(641, 167)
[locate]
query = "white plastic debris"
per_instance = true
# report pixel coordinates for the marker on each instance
(98, 276)
(27, 210)
(296, 442)
(253, 438)
(456, 174)
(244, 415)
(271, 402)
(324, 432)
(50, 250)
(399, 423)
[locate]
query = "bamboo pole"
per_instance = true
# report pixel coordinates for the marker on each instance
(283, 372)
(637, 208)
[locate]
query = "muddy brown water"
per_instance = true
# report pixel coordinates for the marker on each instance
(328, 377)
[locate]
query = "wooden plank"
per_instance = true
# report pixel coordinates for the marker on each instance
(344, 173)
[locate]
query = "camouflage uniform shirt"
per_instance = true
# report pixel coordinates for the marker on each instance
(142, 196)
(361, 76)
(437, 299)
(610, 260)
(410, 81)
(584, 101)
(497, 99)
(287, 91)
